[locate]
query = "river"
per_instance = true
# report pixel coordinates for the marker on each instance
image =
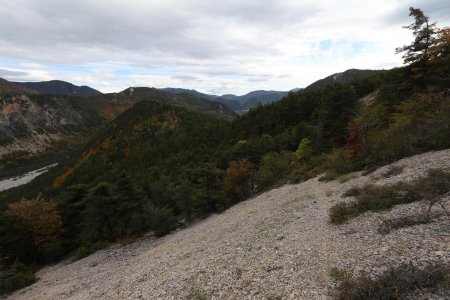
(22, 179)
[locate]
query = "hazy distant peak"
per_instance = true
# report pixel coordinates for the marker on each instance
(59, 87)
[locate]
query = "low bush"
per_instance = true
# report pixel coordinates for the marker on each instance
(328, 176)
(339, 274)
(378, 198)
(87, 249)
(341, 212)
(345, 177)
(395, 283)
(162, 220)
(387, 226)
(352, 192)
(15, 277)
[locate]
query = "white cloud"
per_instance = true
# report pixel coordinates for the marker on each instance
(223, 46)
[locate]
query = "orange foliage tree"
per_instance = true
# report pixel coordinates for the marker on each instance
(59, 181)
(238, 179)
(39, 217)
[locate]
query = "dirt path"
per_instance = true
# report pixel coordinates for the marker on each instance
(277, 244)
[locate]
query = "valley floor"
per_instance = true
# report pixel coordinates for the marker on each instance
(278, 244)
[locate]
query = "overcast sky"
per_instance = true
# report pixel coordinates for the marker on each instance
(214, 46)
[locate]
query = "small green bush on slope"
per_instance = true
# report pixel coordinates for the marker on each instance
(378, 198)
(395, 283)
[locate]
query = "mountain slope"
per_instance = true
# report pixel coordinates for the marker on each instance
(254, 98)
(58, 87)
(344, 77)
(278, 244)
(136, 94)
(32, 123)
(7, 87)
(159, 165)
(189, 92)
(236, 103)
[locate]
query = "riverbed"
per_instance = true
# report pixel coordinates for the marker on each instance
(22, 179)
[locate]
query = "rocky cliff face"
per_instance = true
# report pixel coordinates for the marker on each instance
(32, 123)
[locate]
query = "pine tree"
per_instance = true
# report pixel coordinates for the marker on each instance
(424, 38)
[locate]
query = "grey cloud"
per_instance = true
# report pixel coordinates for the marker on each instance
(265, 12)
(184, 77)
(257, 79)
(436, 10)
(54, 30)
(226, 43)
(13, 75)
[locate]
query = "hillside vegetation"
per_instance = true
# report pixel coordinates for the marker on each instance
(277, 245)
(37, 130)
(159, 166)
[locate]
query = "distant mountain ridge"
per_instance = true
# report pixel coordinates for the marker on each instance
(9, 87)
(343, 77)
(59, 87)
(237, 103)
(189, 92)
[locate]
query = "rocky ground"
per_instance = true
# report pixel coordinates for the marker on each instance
(278, 244)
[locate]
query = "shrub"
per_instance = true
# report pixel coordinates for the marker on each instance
(238, 179)
(377, 198)
(341, 212)
(338, 162)
(273, 168)
(387, 226)
(394, 283)
(15, 277)
(339, 274)
(41, 219)
(352, 192)
(88, 248)
(368, 170)
(328, 176)
(345, 177)
(304, 150)
(162, 220)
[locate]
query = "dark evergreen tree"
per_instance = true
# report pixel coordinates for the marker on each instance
(424, 37)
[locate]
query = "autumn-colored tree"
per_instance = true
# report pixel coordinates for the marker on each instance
(39, 217)
(441, 48)
(354, 139)
(440, 57)
(61, 179)
(238, 179)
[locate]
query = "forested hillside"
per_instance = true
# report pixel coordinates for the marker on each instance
(37, 130)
